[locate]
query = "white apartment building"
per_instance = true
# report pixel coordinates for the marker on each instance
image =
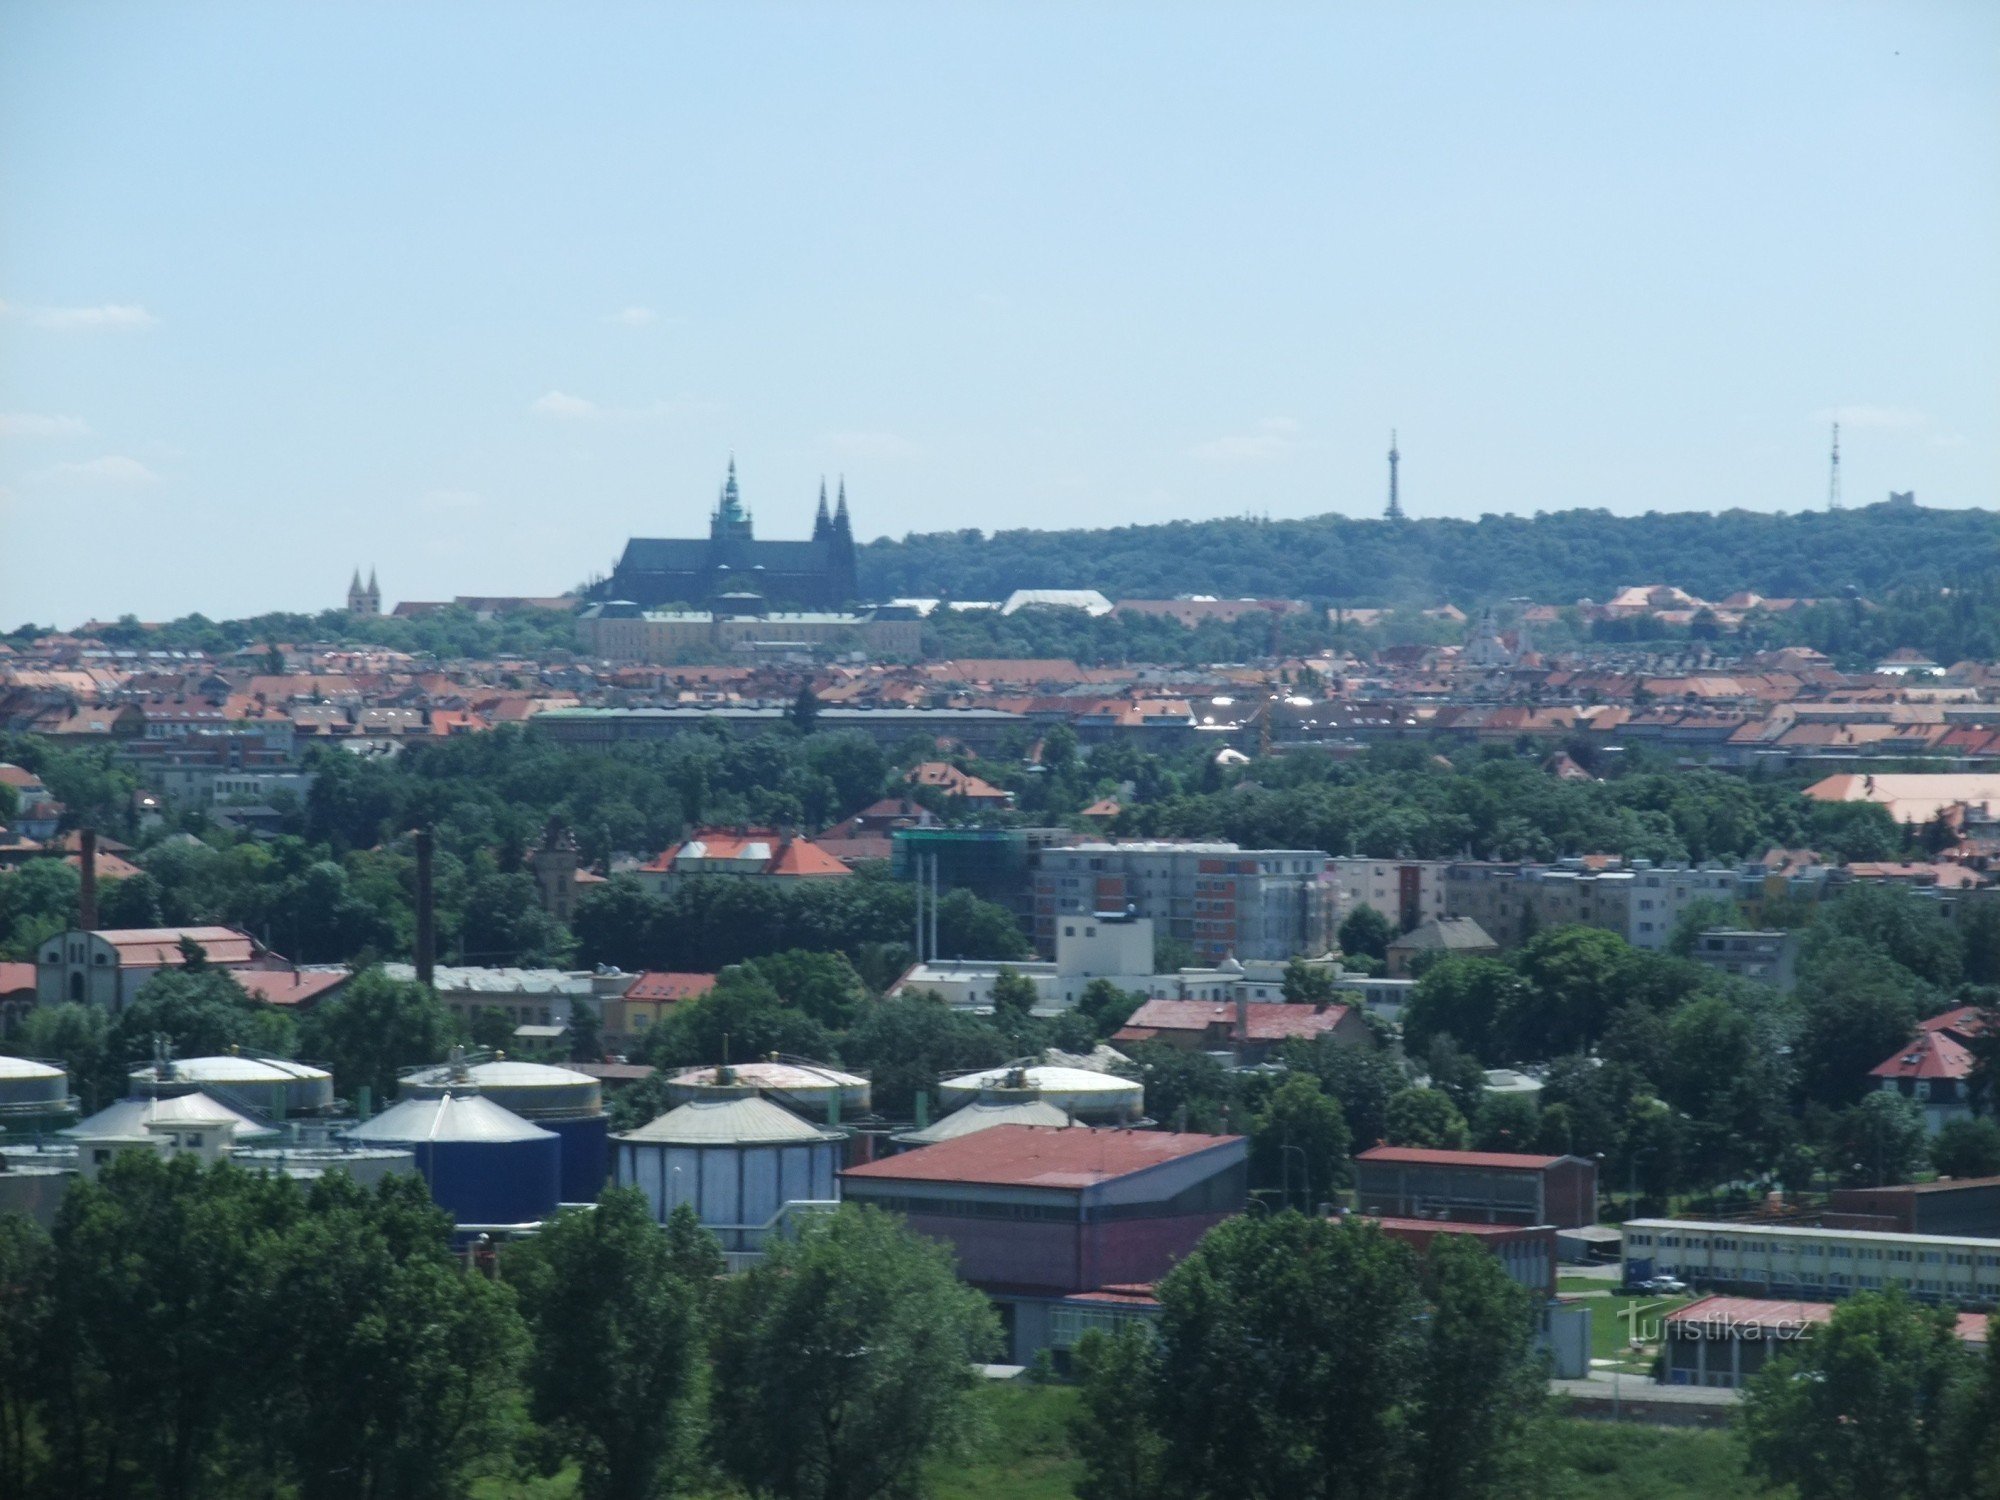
(1796, 1261)
(1406, 892)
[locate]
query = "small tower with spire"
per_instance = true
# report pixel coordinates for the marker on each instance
(822, 522)
(1394, 512)
(364, 600)
(842, 538)
(731, 522)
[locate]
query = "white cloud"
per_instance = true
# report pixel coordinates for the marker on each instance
(1271, 438)
(110, 469)
(562, 404)
(32, 424)
(884, 446)
(106, 315)
(451, 500)
(563, 407)
(1876, 418)
(634, 316)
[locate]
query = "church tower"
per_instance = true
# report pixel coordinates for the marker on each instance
(822, 522)
(845, 583)
(363, 601)
(731, 522)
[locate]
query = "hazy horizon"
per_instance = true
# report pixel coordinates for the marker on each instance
(287, 291)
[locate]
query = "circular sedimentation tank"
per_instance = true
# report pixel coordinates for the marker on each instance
(806, 1089)
(560, 1100)
(272, 1086)
(485, 1164)
(1100, 1098)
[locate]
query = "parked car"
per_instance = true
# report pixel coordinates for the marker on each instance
(1655, 1286)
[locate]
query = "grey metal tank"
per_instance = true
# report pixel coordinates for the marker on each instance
(737, 1157)
(33, 1095)
(270, 1086)
(560, 1100)
(811, 1089)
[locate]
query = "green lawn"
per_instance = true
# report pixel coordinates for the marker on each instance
(1026, 1454)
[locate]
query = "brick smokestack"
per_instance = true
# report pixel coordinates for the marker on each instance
(87, 896)
(426, 912)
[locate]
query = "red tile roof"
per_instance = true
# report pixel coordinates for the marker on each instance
(1744, 1312)
(283, 987)
(152, 947)
(16, 979)
(670, 984)
(1048, 1156)
(1418, 1156)
(1934, 1054)
(1269, 1020)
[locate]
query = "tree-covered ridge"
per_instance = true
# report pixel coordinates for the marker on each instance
(1551, 557)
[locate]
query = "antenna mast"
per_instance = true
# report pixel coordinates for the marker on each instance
(1833, 473)
(1395, 510)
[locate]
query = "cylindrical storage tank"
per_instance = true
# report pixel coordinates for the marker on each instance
(560, 1100)
(806, 1089)
(485, 1165)
(271, 1086)
(32, 1095)
(1100, 1098)
(737, 1157)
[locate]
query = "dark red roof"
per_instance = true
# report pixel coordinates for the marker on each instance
(1268, 1020)
(1418, 1156)
(1049, 1156)
(669, 984)
(1390, 1224)
(1934, 1054)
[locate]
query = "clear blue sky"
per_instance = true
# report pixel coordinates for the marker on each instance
(473, 292)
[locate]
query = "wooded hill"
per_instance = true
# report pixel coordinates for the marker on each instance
(1553, 558)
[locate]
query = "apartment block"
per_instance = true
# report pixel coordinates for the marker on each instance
(1216, 897)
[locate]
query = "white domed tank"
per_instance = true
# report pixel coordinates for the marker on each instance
(1099, 1098)
(736, 1156)
(33, 1094)
(561, 1100)
(271, 1086)
(818, 1093)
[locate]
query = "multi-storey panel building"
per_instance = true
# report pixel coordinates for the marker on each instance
(1217, 898)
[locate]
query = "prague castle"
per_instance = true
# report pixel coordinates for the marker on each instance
(815, 574)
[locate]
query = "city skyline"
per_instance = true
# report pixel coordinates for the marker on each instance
(478, 306)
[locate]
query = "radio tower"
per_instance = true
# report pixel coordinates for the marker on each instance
(1833, 473)
(1395, 510)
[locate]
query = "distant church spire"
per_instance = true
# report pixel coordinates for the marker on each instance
(840, 522)
(822, 522)
(732, 521)
(1395, 510)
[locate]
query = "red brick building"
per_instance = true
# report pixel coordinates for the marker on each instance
(1479, 1187)
(1038, 1214)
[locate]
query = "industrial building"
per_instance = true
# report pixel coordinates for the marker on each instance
(1080, 1093)
(1527, 1252)
(1723, 1341)
(1037, 1215)
(744, 1163)
(566, 1103)
(272, 1088)
(1786, 1260)
(1480, 1187)
(486, 1166)
(808, 1089)
(1965, 1206)
(106, 967)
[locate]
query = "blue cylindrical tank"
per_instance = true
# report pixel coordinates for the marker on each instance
(561, 1100)
(485, 1165)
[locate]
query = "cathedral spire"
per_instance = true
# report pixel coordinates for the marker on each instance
(822, 522)
(840, 522)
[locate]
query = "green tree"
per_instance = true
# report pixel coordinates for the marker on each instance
(1966, 1148)
(1299, 1144)
(1113, 1429)
(1477, 1002)
(1507, 1122)
(908, 1043)
(26, 1303)
(617, 1344)
(1425, 1117)
(1309, 983)
(1857, 1411)
(373, 1029)
(1480, 1384)
(1881, 1140)
(389, 1372)
(1365, 931)
(845, 1361)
